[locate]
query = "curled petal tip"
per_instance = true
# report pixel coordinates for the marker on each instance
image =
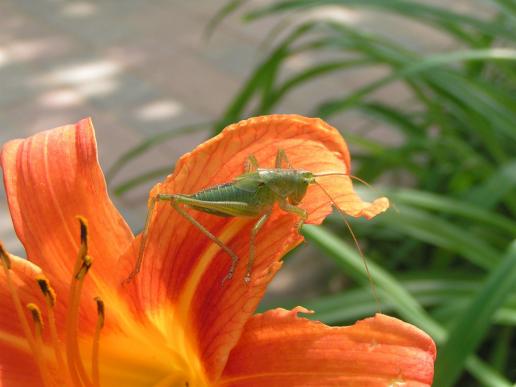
(376, 207)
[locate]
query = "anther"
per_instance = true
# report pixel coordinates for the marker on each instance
(4, 256)
(36, 316)
(82, 265)
(100, 310)
(96, 342)
(6, 263)
(35, 343)
(50, 298)
(84, 236)
(38, 347)
(46, 289)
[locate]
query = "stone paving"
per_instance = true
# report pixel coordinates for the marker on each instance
(137, 68)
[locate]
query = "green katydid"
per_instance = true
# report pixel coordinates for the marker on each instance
(252, 194)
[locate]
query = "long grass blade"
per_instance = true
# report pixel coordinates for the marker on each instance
(427, 13)
(426, 64)
(434, 230)
(447, 205)
(143, 178)
(472, 325)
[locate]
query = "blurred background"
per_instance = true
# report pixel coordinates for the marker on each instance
(423, 91)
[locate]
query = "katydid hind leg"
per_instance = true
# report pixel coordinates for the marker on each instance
(213, 238)
(254, 231)
(145, 232)
(143, 241)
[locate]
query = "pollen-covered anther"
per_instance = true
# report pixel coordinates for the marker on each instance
(46, 289)
(96, 341)
(84, 235)
(83, 263)
(13, 290)
(100, 311)
(38, 343)
(50, 298)
(36, 316)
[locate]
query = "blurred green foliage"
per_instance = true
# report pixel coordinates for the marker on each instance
(446, 261)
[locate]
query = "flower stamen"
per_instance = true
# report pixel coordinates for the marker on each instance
(50, 300)
(82, 266)
(39, 348)
(6, 264)
(96, 342)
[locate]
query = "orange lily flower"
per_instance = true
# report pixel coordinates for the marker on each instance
(66, 318)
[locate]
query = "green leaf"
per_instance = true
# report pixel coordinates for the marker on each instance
(432, 229)
(228, 8)
(138, 180)
(496, 186)
(260, 79)
(472, 325)
(447, 205)
(388, 287)
(349, 260)
(428, 63)
(306, 75)
(437, 289)
(427, 13)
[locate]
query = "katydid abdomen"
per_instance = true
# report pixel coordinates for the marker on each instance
(256, 203)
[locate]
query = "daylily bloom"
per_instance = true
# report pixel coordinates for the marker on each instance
(68, 319)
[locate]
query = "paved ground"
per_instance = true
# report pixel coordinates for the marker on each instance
(138, 68)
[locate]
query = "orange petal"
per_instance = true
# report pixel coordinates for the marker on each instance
(184, 267)
(50, 178)
(17, 366)
(278, 348)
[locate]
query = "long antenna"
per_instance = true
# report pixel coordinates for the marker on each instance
(355, 240)
(330, 173)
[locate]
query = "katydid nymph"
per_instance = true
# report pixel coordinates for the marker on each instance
(252, 194)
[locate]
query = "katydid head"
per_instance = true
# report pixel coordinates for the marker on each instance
(302, 181)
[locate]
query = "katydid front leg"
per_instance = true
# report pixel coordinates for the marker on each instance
(287, 207)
